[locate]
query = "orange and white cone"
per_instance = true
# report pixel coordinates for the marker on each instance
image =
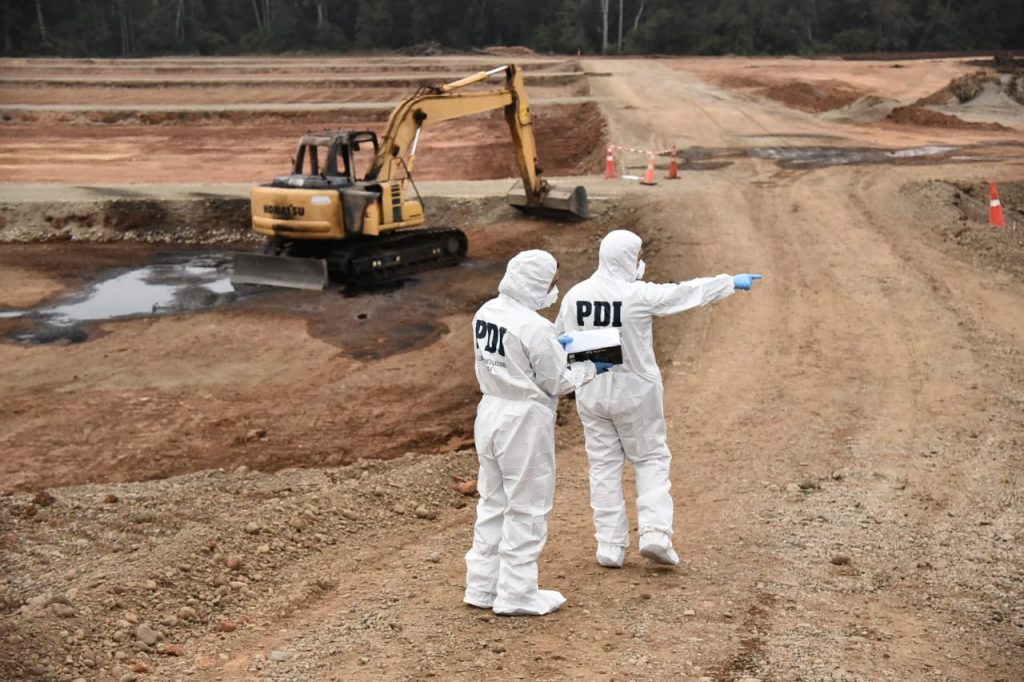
(995, 209)
(649, 173)
(609, 166)
(673, 166)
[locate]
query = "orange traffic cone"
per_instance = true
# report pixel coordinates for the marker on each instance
(609, 166)
(995, 209)
(649, 174)
(673, 166)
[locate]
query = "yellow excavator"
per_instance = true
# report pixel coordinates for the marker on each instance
(325, 224)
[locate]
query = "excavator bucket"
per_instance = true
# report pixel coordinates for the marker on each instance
(279, 271)
(557, 201)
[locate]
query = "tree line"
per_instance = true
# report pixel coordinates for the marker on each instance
(137, 28)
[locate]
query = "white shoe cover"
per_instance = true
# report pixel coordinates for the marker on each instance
(544, 603)
(610, 556)
(658, 548)
(480, 600)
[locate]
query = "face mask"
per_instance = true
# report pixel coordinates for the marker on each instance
(550, 299)
(641, 267)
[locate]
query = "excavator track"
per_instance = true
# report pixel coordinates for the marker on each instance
(374, 260)
(397, 255)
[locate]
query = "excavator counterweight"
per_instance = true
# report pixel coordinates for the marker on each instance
(327, 222)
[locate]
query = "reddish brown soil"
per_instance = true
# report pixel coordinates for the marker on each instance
(257, 150)
(168, 148)
(166, 126)
(814, 98)
(259, 92)
(919, 116)
(172, 420)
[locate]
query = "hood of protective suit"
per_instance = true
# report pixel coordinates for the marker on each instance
(618, 253)
(528, 277)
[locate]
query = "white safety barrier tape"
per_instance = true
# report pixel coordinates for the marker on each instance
(621, 165)
(641, 151)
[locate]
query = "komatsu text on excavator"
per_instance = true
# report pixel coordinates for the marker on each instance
(324, 224)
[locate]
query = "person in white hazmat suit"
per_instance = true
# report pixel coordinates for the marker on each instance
(622, 410)
(522, 370)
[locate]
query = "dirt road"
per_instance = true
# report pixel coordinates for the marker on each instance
(847, 442)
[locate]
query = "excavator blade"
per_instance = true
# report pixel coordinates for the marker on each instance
(280, 271)
(557, 201)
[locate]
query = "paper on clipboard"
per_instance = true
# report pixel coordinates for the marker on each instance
(600, 345)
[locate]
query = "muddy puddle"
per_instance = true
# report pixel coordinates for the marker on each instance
(176, 285)
(365, 323)
(709, 158)
(816, 157)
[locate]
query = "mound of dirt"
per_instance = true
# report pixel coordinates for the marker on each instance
(981, 86)
(814, 98)
(1004, 62)
(431, 48)
(982, 98)
(962, 89)
(970, 235)
(734, 81)
(865, 109)
(920, 116)
(209, 220)
(1015, 87)
(509, 51)
(811, 97)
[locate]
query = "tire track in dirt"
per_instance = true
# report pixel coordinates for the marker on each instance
(843, 309)
(889, 358)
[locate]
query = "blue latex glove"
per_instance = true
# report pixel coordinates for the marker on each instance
(565, 340)
(602, 367)
(745, 281)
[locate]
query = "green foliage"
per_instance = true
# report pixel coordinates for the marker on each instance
(854, 40)
(329, 38)
(77, 28)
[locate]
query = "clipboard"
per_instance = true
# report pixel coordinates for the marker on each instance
(599, 345)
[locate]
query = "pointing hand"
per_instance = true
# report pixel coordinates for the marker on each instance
(745, 281)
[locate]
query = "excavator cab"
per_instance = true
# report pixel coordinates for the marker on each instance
(329, 159)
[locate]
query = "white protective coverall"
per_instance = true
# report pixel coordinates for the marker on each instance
(522, 371)
(622, 410)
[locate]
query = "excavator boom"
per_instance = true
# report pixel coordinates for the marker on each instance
(532, 192)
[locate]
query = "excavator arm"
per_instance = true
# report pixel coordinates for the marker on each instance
(435, 104)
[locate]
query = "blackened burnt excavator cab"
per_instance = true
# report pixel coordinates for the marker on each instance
(322, 223)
